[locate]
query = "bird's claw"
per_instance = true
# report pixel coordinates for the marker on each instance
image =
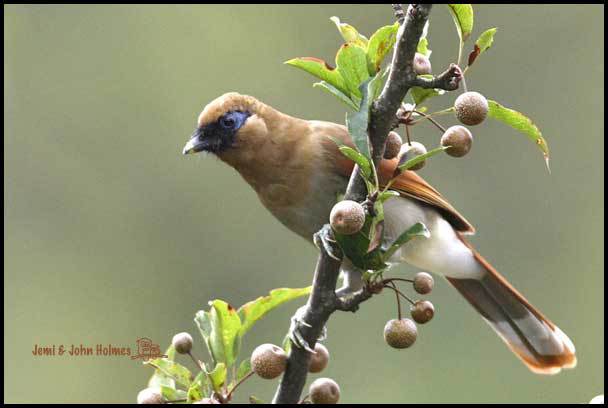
(295, 334)
(324, 237)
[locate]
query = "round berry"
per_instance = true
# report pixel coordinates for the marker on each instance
(423, 283)
(347, 217)
(400, 333)
(459, 140)
(150, 396)
(409, 151)
(393, 145)
(324, 391)
(268, 361)
(319, 360)
(422, 311)
(471, 108)
(422, 65)
(182, 342)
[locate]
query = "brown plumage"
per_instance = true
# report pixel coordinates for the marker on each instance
(298, 171)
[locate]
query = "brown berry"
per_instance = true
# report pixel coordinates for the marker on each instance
(319, 360)
(459, 140)
(400, 333)
(347, 217)
(324, 391)
(423, 283)
(409, 151)
(422, 311)
(422, 65)
(268, 361)
(471, 108)
(150, 396)
(182, 342)
(393, 145)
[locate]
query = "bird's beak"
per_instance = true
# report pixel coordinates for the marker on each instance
(195, 144)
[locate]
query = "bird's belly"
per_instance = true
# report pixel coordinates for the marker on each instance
(307, 215)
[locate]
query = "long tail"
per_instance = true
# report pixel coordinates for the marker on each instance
(540, 344)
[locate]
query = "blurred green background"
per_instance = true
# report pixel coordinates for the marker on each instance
(110, 234)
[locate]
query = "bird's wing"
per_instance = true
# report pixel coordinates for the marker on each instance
(408, 184)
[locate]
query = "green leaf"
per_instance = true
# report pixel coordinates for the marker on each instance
(356, 122)
(253, 311)
(337, 93)
(225, 329)
(217, 377)
(171, 394)
(423, 43)
(321, 70)
(358, 158)
(349, 33)
(244, 369)
(401, 167)
(198, 388)
(380, 44)
(176, 371)
(203, 322)
(255, 400)
(463, 18)
(388, 194)
(351, 62)
(416, 230)
(520, 122)
(356, 246)
(159, 378)
(420, 95)
(484, 42)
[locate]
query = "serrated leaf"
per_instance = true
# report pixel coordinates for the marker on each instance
(404, 165)
(255, 400)
(349, 33)
(253, 311)
(217, 376)
(420, 95)
(521, 123)
(387, 195)
(351, 63)
(244, 370)
(359, 159)
(159, 378)
(342, 97)
(321, 70)
(484, 42)
(225, 329)
(380, 44)
(416, 230)
(171, 394)
(198, 388)
(463, 19)
(176, 371)
(356, 246)
(357, 122)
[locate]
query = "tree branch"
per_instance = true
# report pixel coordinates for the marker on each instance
(323, 300)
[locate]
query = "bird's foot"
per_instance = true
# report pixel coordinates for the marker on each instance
(295, 331)
(325, 238)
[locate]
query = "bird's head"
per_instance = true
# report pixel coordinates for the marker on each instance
(229, 122)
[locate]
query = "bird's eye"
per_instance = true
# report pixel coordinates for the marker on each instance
(227, 122)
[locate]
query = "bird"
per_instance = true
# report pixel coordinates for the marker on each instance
(298, 172)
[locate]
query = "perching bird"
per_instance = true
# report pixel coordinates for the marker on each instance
(298, 171)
